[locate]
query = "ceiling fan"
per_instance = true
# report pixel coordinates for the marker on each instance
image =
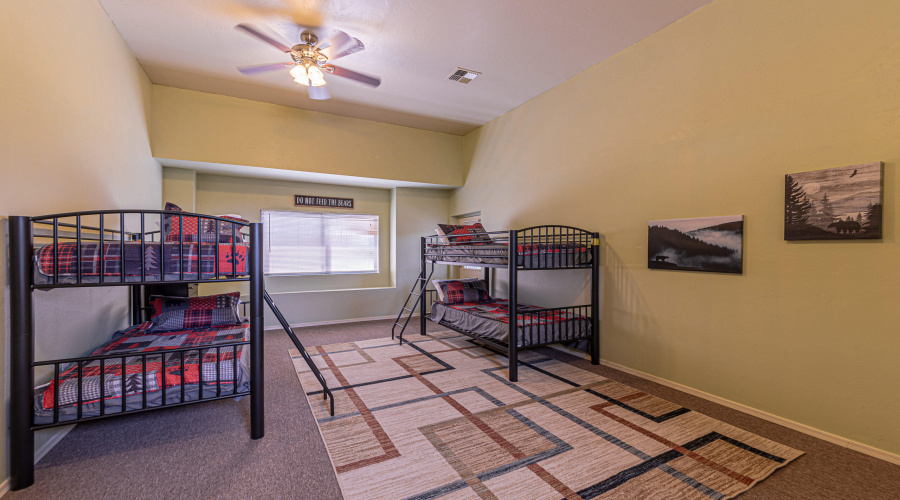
(310, 60)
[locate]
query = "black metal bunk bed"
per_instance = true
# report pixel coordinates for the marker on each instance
(115, 253)
(536, 248)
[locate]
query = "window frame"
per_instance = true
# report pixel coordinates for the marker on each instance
(378, 235)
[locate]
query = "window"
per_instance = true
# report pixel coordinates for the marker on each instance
(319, 243)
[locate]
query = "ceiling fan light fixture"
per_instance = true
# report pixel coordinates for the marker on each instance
(316, 78)
(300, 74)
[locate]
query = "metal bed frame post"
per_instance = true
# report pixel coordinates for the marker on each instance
(595, 299)
(423, 285)
(21, 356)
(136, 303)
(513, 339)
(257, 289)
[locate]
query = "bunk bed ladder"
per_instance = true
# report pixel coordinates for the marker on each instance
(326, 393)
(420, 284)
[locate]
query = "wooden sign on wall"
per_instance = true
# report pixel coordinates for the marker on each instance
(322, 201)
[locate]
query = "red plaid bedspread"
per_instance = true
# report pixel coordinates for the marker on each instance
(137, 340)
(204, 253)
(527, 315)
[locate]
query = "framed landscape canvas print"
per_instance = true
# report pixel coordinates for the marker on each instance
(711, 244)
(841, 203)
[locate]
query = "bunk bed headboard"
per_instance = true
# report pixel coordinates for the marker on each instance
(557, 234)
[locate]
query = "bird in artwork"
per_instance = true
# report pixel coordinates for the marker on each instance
(854, 173)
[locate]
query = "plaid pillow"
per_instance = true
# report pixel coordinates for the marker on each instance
(173, 225)
(480, 235)
(439, 285)
(224, 229)
(184, 313)
(203, 229)
(461, 292)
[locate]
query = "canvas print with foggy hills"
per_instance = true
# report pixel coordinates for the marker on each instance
(710, 244)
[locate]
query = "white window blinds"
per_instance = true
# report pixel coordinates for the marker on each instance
(319, 243)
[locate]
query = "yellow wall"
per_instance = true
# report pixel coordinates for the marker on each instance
(73, 136)
(705, 118)
(195, 126)
(179, 186)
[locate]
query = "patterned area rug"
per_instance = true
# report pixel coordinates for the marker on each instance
(437, 418)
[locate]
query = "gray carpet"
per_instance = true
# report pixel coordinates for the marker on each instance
(204, 451)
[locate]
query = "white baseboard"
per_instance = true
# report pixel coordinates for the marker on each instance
(775, 419)
(335, 322)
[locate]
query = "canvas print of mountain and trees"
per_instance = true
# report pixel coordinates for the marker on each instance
(841, 203)
(711, 244)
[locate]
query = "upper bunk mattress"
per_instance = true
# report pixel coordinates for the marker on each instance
(204, 253)
(490, 320)
(136, 340)
(536, 256)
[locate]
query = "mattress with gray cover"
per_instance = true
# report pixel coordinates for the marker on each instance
(490, 320)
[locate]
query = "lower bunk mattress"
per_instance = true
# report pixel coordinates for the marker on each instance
(536, 256)
(164, 370)
(490, 320)
(157, 257)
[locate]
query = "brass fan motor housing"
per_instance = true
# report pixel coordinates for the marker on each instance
(306, 53)
(309, 38)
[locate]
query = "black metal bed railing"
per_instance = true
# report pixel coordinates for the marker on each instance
(431, 296)
(61, 367)
(537, 247)
(120, 245)
(553, 324)
(541, 328)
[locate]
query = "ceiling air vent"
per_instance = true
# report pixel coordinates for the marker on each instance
(464, 75)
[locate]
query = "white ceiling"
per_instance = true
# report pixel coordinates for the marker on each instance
(523, 47)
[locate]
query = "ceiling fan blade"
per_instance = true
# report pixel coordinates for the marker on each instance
(319, 93)
(289, 30)
(373, 81)
(341, 45)
(338, 41)
(354, 47)
(252, 70)
(271, 41)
